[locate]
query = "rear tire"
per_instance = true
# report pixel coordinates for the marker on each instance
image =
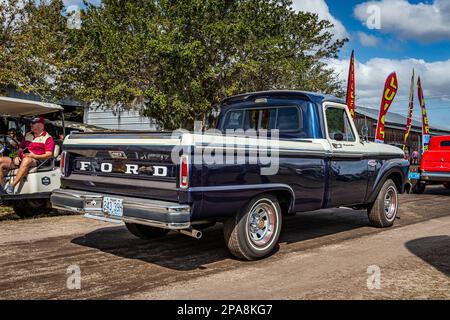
(146, 232)
(383, 211)
(31, 208)
(419, 188)
(253, 233)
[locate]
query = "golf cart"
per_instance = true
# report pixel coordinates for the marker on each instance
(32, 194)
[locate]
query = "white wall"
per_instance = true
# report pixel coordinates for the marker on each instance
(125, 120)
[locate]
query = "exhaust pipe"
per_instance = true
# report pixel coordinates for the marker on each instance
(191, 233)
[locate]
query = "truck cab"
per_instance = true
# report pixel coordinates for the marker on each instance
(183, 181)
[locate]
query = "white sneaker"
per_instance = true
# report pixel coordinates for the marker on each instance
(9, 189)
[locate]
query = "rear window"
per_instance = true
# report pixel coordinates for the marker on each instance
(285, 119)
(445, 143)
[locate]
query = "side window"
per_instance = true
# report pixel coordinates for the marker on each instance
(234, 120)
(338, 124)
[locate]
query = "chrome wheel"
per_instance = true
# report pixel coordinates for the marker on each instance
(261, 223)
(390, 203)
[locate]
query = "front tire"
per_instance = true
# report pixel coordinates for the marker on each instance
(146, 232)
(447, 185)
(254, 232)
(383, 211)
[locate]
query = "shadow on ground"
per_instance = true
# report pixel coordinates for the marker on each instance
(433, 250)
(183, 253)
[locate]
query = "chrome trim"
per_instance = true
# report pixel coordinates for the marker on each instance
(102, 218)
(154, 206)
(435, 176)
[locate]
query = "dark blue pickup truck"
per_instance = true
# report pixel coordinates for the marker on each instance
(272, 154)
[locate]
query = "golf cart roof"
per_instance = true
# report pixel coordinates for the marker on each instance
(13, 107)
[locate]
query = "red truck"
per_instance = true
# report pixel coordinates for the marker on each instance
(435, 164)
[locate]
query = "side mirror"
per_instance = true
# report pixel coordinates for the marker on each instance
(338, 136)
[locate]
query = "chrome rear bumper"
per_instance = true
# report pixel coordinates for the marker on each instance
(154, 213)
(435, 176)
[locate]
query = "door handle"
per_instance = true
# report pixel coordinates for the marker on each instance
(337, 145)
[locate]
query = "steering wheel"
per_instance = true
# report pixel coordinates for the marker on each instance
(7, 142)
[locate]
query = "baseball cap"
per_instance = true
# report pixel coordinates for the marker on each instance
(38, 119)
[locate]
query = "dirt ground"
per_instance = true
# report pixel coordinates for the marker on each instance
(329, 254)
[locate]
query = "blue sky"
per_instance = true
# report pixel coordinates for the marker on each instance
(411, 34)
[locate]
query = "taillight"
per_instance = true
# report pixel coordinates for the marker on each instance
(63, 163)
(184, 171)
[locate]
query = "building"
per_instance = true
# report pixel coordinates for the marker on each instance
(129, 120)
(395, 128)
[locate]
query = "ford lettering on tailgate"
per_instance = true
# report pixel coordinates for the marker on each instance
(122, 167)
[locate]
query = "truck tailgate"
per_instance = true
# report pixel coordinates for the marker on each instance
(436, 161)
(132, 164)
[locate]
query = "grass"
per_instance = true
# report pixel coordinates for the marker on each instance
(7, 213)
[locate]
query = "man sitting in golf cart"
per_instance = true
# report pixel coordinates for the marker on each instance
(36, 148)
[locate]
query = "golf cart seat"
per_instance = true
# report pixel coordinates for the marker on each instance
(49, 164)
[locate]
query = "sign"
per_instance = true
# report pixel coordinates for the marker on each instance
(389, 92)
(425, 126)
(351, 86)
(410, 112)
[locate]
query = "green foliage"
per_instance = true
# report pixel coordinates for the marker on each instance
(32, 46)
(174, 59)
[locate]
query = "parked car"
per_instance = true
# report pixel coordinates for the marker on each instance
(130, 177)
(435, 165)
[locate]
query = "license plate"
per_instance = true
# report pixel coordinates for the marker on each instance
(113, 206)
(414, 176)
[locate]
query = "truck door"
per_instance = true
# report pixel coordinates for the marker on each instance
(348, 166)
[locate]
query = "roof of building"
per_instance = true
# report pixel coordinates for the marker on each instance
(398, 121)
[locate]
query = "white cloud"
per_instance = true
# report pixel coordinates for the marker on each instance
(367, 40)
(320, 7)
(424, 22)
(371, 76)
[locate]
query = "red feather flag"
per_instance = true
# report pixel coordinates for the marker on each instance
(390, 90)
(351, 86)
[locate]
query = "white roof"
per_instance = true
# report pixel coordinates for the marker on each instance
(19, 107)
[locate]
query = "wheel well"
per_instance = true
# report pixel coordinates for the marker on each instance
(398, 180)
(285, 199)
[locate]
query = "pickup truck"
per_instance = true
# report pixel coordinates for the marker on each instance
(435, 165)
(321, 163)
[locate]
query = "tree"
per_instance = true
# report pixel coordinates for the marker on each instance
(175, 59)
(33, 46)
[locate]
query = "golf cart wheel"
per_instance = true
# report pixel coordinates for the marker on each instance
(383, 211)
(253, 232)
(146, 232)
(30, 208)
(419, 188)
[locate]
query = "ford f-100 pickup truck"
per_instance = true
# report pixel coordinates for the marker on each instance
(435, 165)
(272, 154)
